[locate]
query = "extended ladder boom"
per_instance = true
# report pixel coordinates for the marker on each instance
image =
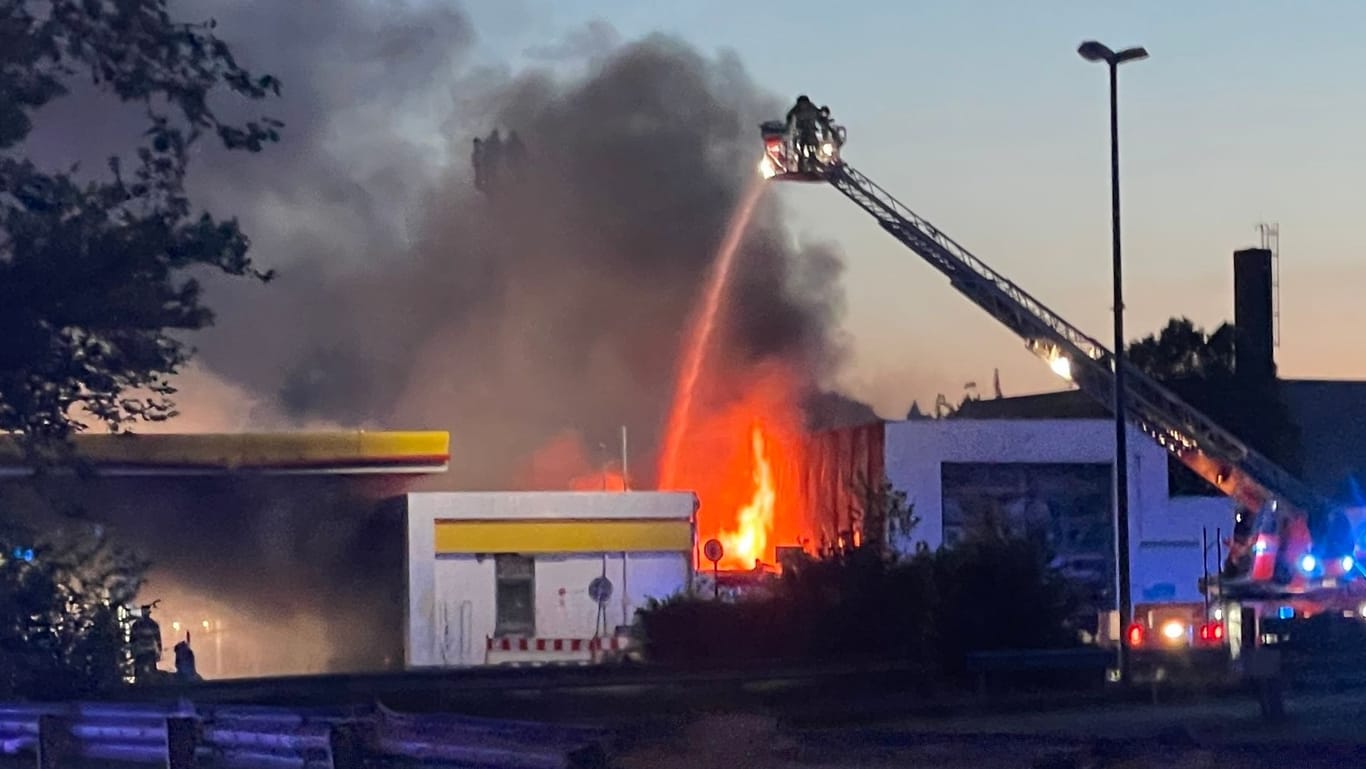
(1211, 451)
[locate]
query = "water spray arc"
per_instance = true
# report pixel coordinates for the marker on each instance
(701, 330)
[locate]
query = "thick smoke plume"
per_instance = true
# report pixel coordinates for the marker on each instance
(407, 299)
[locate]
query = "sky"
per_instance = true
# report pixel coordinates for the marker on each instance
(981, 117)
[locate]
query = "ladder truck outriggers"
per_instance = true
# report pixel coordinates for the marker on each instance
(1289, 545)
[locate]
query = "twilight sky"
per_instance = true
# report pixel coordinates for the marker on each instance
(980, 116)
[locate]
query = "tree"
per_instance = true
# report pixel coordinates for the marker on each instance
(59, 626)
(96, 282)
(95, 273)
(884, 516)
(1199, 368)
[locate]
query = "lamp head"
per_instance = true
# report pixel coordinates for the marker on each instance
(1095, 51)
(1092, 50)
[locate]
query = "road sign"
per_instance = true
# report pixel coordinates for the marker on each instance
(600, 589)
(713, 551)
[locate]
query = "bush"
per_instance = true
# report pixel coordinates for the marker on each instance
(992, 592)
(997, 592)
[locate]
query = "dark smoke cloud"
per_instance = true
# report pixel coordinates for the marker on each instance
(406, 299)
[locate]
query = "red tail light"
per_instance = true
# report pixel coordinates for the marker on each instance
(1135, 634)
(1212, 632)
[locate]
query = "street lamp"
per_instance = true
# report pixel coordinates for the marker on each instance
(1094, 51)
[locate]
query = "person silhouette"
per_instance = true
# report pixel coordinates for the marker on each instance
(477, 161)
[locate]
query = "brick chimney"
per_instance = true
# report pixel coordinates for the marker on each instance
(1255, 354)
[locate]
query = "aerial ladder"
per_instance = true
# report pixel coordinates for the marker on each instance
(1289, 545)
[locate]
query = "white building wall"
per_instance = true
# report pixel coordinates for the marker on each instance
(463, 615)
(451, 598)
(1164, 532)
(1167, 562)
(564, 608)
(916, 449)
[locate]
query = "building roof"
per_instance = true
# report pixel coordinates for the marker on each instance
(1331, 415)
(1068, 404)
(268, 453)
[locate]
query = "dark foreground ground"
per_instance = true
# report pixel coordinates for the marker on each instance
(872, 716)
(1320, 729)
(1327, 730)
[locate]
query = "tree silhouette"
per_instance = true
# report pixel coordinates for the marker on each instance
(1199, 367)
(96, 282)
(95, 270)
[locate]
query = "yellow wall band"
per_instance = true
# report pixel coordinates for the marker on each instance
(603, 536)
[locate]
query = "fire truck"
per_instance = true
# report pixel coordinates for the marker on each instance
(1291, 552)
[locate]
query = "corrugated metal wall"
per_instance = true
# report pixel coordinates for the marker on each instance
(839, 470)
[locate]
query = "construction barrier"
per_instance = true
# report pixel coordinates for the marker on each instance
(539, 651)
(183, 736)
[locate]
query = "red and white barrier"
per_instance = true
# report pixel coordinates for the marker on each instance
(522, 650)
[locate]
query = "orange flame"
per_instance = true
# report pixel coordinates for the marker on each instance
(741, 456)
(606, 480)
(701, 328)
(748, 543)
(564, 463)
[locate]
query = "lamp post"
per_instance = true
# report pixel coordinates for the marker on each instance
(1094, 51)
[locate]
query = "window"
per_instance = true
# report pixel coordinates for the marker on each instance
(516, 606)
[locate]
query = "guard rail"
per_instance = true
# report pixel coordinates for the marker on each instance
(181, 735)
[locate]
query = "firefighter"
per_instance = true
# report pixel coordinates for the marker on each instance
(803, 122)
(477, 160)
(828, 128)
(145, 643)
(184, 662)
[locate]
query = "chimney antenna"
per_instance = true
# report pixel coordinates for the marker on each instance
(1271, 241)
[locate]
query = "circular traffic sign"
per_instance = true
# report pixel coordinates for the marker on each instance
(712, 550)
(600, 589)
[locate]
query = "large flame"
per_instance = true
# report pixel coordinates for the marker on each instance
(740, 454)
(748, 542)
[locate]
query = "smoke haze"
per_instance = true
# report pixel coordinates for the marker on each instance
(524, 323)
(408, 299)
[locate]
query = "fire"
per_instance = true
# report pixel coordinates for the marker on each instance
(607, 480)
(732, 426)
(565, 463)
(748, 542)
(698, 342)
(740, 455)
